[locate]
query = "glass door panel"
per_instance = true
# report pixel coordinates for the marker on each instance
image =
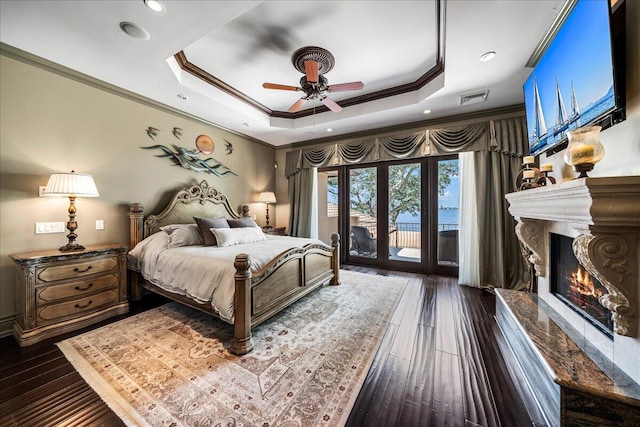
(448, 216)
(328, 204)
(404, 212)
(363, 212)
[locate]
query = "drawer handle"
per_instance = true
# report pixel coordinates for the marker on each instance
(77, 270)
(84, 306)
(78, 288)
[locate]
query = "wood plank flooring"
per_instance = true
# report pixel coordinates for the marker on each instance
(442, 361)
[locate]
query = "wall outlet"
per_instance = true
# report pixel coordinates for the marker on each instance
(49, 227)
(99, 224)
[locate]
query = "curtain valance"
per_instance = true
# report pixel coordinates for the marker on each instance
(508, 136)
(355, 153)
(402, 146)
(471, 137)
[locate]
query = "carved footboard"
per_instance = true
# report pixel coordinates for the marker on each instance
(287, 278)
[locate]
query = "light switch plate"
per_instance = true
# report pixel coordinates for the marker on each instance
(49, 227)
(41, 190)
(99, 224)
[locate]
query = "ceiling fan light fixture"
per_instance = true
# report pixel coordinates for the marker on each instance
(154, 5)
(313, 62)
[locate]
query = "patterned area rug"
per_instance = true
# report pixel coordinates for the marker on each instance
(170, 366)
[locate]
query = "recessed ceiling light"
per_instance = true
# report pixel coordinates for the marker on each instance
(181, 96)
(329, 130)
(488, 56)
(426, 112)
(134, 31)
(154, 5)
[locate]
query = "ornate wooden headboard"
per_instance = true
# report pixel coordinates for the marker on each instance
(199, 200)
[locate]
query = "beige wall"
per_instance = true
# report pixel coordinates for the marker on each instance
(52, 123)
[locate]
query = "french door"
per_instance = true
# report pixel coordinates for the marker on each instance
(396, 215)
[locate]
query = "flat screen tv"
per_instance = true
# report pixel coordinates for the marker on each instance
(573, 84)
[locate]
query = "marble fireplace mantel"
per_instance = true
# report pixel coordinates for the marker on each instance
(603, 216)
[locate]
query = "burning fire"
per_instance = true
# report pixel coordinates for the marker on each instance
(581, 282)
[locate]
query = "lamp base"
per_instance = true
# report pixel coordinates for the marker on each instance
(71, 247)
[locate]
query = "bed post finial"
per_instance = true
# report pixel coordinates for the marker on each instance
(242, 340)
(245, 210)
(135, 221)
(335, 259)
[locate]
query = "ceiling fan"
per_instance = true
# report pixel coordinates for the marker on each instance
(314, 62)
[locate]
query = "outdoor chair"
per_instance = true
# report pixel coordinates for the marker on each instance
(362, 241)
(448, 246)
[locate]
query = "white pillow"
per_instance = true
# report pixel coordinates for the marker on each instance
(183, 235)
(237, 236)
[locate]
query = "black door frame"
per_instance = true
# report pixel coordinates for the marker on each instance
(429, 217)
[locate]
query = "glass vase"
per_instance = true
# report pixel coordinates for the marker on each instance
(584, 149)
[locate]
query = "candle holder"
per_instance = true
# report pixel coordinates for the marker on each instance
(529, 174)
(545, 178)
(584, 149)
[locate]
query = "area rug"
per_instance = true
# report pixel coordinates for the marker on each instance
(170, 366)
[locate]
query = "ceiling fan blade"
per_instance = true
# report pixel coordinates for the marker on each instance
(341, 87)
(295, 107)
(331, 104)
(279, 86)
(311, 69)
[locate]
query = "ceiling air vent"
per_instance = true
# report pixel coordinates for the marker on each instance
(474, 98)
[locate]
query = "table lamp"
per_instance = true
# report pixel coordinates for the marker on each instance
(71, 185)
(267, 197)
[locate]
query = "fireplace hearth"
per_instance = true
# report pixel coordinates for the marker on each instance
(572, 284)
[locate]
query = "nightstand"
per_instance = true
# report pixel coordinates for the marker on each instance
(60, 292)
(279, 231)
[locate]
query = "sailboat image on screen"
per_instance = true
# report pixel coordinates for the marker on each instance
(572, 84)
(539, 127)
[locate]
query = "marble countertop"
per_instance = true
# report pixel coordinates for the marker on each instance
(568, 364)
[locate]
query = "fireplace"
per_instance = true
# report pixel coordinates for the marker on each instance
(572, 284)
(597, 223)
(577, 339)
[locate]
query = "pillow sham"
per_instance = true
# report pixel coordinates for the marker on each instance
(242, 222)
(206, 224)
(237, 236)
(183, 235)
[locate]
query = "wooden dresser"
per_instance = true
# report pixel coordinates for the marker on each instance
(60, 292)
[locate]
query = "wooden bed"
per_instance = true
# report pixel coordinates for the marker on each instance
(258, 296)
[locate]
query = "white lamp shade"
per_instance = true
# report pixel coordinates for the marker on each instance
(267, 197)
(71, 184)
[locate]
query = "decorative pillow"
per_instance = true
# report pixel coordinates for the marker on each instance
(182, 235)
(206, 224)
(242, 223)
(237, 236)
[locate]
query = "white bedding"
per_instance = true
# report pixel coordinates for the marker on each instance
(204, 273)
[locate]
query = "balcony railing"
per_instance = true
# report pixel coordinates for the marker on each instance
(403, 234)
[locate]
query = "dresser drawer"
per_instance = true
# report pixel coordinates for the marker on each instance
(55, 312)
(52, 273)
(77, 289)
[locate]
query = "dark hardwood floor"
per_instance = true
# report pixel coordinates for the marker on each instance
(443, 361)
